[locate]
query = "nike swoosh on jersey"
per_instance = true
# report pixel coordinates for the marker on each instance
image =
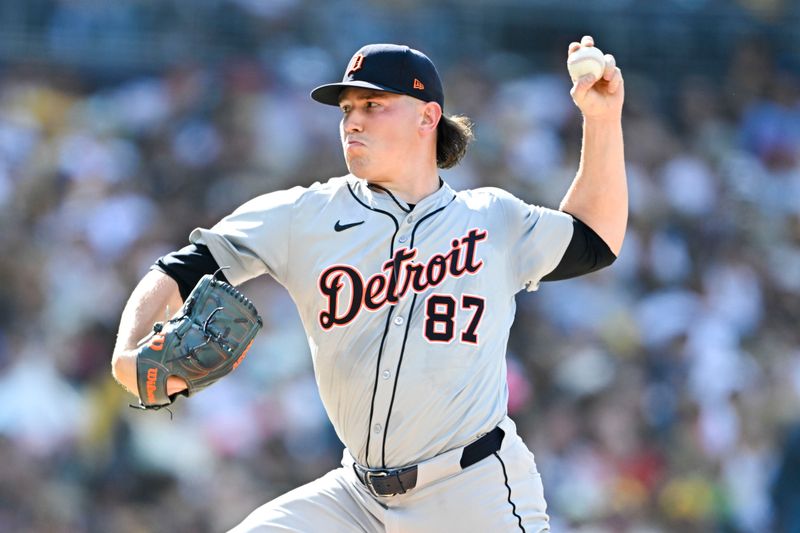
(341, 227)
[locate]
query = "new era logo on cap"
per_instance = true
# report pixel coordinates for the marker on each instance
(387, 67)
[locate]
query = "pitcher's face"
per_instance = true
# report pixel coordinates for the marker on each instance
(378, 131)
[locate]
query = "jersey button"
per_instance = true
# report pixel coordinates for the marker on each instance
(376, 428)
(387, 374)
(410, 219)
(403, 238)
(398, 320)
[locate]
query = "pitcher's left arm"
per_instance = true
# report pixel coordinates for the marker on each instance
(598, 195)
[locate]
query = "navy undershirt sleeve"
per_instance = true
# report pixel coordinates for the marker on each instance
(586, 252)
(188, 265)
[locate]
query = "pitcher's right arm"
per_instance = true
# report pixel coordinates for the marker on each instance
(155, 299)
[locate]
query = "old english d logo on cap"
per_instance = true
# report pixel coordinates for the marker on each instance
(355, 64)
(392, 68)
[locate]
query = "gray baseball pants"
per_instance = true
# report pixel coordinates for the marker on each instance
(502, 492)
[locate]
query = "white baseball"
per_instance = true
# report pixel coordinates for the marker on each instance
(586, 60)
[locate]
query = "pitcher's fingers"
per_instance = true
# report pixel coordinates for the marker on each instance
(587, 40)
(573, 46)
(616, 81)
(581, 87)
(611, 64)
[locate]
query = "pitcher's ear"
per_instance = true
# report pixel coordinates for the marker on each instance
(431, 115)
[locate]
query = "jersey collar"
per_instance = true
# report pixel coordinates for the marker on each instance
(378, 197)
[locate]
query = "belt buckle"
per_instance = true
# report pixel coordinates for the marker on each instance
(369, 474)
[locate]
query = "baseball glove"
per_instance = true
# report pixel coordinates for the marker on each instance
(205, 341)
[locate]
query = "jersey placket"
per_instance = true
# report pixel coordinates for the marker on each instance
(396, 336)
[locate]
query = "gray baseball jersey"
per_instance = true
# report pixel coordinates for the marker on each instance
(407, 311)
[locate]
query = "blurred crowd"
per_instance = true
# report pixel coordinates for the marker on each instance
(658, 395)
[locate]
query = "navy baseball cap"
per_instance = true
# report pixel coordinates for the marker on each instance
(387, 67)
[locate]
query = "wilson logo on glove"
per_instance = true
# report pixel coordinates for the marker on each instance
(152, 377)
(204, 342)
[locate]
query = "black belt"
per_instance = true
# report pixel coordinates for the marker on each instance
(392, 481)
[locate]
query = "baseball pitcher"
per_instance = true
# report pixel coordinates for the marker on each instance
(405, 288)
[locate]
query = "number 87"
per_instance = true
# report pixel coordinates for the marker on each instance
(440, 311)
